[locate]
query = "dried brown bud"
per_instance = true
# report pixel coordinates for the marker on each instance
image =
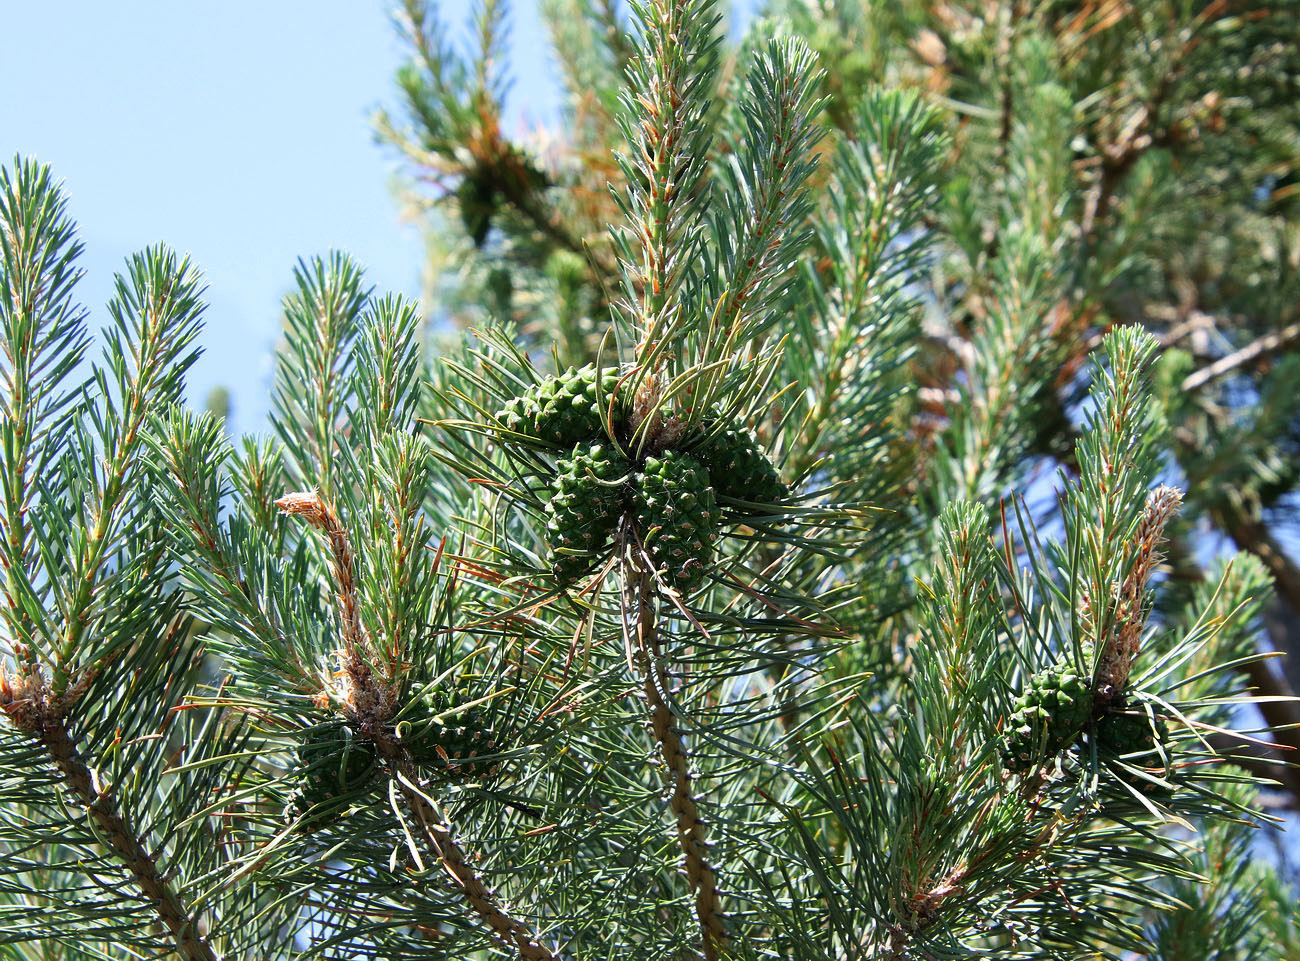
(1130, 616)
(305, 504)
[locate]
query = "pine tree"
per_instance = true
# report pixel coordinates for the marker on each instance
(1152, 152)
(699, 603)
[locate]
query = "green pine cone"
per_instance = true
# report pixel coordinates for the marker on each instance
(450, 742)
(1049, 715)
(1132, 738)
(334, 764)
(677, 516)
(1124, 734)
(564, 409)
(586, 501)
(519, 415)
(740, 469)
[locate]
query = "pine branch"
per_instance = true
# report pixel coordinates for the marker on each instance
(86, 581)
(1258, 349)
(668, 136)
(1115, 660)
(483, 901)
(547, 222)
(1104, 517)
(871, 248)
(313, 382)
(43, 337)
(1120, 155)
(33, 708)
(368, 701)
(1008, 28)
(120, 835)
(642, 640)
(763, 196)
(191, 454)
(1280, 711)
(1007, 366)
(156, 313)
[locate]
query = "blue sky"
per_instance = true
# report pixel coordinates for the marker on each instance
(235, 131)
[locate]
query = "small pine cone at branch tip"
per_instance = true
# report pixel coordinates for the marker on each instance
(1048, 717)
(333, 765)
(587, 498)
(565, 409)
(454, 742)
(740, 469)
(1125, 733)
(1135, 739)
(677, 517)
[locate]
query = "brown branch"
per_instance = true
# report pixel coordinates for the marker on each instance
(510, 931)
(1117, 159)
(1265, 346)
(32, 706)
(692, 829)
(118, 834)
(1188, 322)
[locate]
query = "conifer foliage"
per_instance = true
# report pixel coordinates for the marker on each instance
(693, 606)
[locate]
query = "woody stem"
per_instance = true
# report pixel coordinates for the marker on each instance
(119, 835)
(483, 901)
(692, 829)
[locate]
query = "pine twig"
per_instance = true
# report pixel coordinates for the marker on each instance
(32, 707)
(692, 829)
(368, 699)
(668, 142)
(1262, 347)
(370, 702)
(485, 902)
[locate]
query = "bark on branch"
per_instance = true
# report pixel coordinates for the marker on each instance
(692, 829)
(509, 930)
(1263, 347)
(369, 701)
(119, 835)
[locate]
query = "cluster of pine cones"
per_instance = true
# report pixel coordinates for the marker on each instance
(335, 764)
(1058, 705)
(671, 495)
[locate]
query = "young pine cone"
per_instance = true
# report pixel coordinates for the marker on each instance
(565, 409)
(677, 516)
(1054, 708)
(586, 501)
